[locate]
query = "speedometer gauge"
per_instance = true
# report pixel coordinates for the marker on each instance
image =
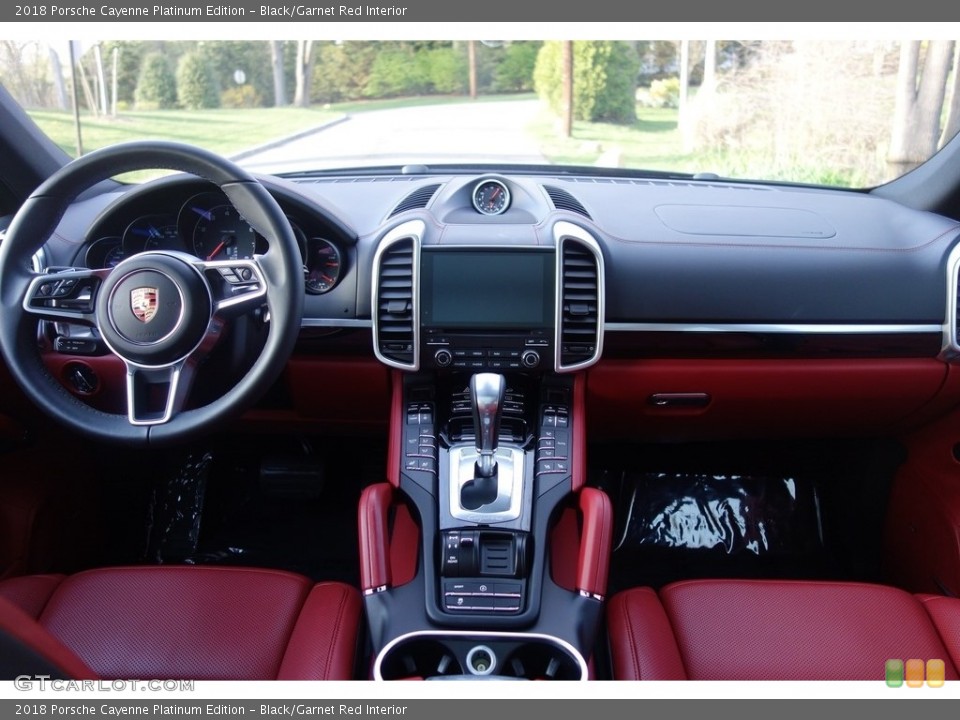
(491, 197)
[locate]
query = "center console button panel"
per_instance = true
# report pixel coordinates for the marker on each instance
(480, 352)
(482, 596)
(483, 555)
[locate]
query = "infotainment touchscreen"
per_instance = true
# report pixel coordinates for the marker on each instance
(486, 289)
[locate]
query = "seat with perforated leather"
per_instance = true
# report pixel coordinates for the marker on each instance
(188, 622)
(777, 630)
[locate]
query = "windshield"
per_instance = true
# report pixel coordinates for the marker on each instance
(849, 113)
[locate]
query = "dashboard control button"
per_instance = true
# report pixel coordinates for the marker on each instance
(502, 588)
(506, 604)
(530, 359)
(443, 358)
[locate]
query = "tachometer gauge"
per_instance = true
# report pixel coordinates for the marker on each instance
(221, 234)
(322, 269)
(491, 197)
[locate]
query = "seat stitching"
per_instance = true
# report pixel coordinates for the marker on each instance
(46, 602)
(336, 631)
(633, 644)
(936, 627)
(292, 631)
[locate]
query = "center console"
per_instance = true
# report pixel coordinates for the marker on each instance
(485, 555)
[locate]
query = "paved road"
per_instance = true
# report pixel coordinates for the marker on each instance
(470, 132)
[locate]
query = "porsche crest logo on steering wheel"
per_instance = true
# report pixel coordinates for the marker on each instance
(143, 302)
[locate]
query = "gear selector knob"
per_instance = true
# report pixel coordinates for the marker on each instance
(486, 398)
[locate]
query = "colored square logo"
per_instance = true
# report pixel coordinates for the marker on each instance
(893, 673)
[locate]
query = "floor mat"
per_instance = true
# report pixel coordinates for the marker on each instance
(679, 525)
(803, 511)
(290, 505)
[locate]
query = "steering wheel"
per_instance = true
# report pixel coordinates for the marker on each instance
(160, 312)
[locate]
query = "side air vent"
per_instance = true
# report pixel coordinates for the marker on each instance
(395, 302)
(416, 200)
(563, 200)
(579, 301)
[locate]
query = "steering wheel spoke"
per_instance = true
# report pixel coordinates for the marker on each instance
(237, 286)
(66, 296)
(156, 395)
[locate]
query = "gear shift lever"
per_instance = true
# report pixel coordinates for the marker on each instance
(486, 397)
(486, 482)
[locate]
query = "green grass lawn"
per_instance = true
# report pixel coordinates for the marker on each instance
(651, 143)
(654, 142)
(222, 131)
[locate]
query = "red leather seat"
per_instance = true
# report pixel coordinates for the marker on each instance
(184, 623)
(777, 630)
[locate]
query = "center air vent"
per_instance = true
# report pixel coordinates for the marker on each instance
(395, 301)
(580, 303)
(416, 200)
(563, 200)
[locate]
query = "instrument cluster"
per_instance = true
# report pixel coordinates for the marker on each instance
(208, 226)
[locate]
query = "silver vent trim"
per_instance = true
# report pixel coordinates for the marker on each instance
(776, 328)
(950, 350)
(407, 232)
(565, 233)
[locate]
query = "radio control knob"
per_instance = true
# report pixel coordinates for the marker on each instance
(442, 358)
(530, 359)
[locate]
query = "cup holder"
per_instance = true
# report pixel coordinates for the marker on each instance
(439, 655)
(422, 657)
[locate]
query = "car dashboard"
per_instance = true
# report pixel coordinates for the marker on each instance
(492, 324)
(712, 303)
